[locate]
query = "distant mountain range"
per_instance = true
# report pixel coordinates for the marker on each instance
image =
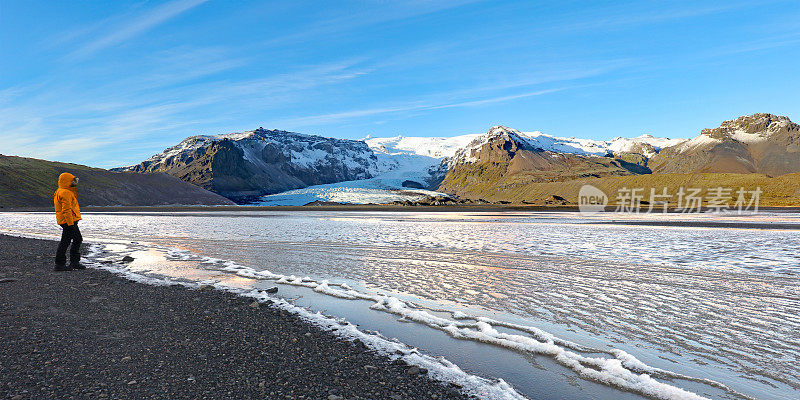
(274, 167)
(285, 168)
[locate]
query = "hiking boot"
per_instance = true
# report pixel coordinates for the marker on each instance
(77, 266)
(62, 267)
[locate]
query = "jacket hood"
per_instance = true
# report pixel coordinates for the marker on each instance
(65, 180)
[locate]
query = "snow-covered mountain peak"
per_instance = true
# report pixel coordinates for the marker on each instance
(262, 161)
(499, 130)
(749, 128)
(646, 144)
(755, 128)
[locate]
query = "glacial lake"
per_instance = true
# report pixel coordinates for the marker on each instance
(557, 305)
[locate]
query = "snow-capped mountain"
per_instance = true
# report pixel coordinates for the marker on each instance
(247, 165)
(646, 145)
(760, 143)
(505, 157)
(507, 165)
(423, 153)
(279, 167)
(261, 161)
(434, 147)
(412, 166)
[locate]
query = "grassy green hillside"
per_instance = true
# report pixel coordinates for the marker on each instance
(30, 182)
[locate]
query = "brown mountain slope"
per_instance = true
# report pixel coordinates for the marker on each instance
(760, 150)
(501, 160)
(759, 143)
(30, 182)
(783, 190)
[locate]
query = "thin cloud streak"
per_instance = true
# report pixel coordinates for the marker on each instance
(137, 26)
(766, 43)
(335, 117)
(351, 22)
(497, 99)
(99, 118)
(623, 16)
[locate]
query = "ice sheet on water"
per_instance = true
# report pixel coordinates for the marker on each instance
(618, 369)
(439, 368)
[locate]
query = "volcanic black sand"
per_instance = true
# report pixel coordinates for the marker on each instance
(91, 334)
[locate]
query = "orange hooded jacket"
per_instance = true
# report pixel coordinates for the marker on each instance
(65, 200)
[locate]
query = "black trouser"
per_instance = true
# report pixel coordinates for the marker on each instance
(69, 233)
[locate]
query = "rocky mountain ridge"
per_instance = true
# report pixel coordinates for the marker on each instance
(760, 143)
(501, 166)
(646, 144)
(258, 162)
(505, 157)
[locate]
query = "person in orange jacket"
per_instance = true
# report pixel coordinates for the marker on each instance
(68, 213)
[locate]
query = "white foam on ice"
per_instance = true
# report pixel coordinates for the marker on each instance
(439, 368)
(614, 367)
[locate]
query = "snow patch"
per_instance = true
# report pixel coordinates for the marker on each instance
(746, 137)
(701, 140)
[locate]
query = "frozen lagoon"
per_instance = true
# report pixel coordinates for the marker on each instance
(695, 305)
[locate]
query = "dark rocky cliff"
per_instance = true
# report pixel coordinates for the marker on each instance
(244, 165)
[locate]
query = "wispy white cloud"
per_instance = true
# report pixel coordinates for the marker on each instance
(135, 27)
(346, 59)
(765, 43)
(618, 15)
(77, 123)
(476, 92)
(369, 14)
(414, 106)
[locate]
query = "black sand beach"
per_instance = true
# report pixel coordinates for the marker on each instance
(91, 334)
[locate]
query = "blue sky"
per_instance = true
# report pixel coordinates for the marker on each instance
(111, 83)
